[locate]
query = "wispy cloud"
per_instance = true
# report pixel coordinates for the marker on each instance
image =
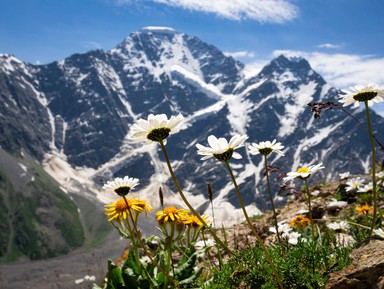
(91, 45)
(329, 46)
(240, 54)
(278, 11)
(342, 70)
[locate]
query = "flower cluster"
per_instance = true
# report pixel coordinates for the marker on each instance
(176, 223)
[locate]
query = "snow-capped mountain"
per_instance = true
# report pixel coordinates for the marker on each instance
(74, 117)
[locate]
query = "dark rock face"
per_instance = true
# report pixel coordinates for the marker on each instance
(366, 270)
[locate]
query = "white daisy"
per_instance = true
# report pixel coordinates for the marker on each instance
(221, 149)
(266, 147)
(338, 226)
(303, 172)
(283, 228)
(121, 186)
(367, 188)
(344, 175)
(359, 93)
(293, 238)
(156, 128)
(354, 184)
(379, 232)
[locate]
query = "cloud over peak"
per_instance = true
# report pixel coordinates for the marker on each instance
(277, 11)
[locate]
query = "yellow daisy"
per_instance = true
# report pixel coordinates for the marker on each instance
(363, 210)
(300, 222)
(193, 221)
(119, 210)
(171, 214)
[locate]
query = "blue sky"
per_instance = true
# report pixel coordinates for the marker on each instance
(342, 39)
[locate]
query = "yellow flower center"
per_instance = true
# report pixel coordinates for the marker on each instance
(170, 210)
(303, 170)
(120, 206)
(365, 95)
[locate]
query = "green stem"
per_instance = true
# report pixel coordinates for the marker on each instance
(259, 240)
(373, 168)
(138, 236)
(310, 208)
(218, 241)
(271, 199)
(133, 239)
(169, 262)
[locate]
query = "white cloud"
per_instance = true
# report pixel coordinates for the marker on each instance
(342, 70)
(240, 54)
(278, 11)
(91, 44)
(329, 45)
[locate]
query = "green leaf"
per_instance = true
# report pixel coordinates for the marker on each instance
(131, 263)
(115, 278)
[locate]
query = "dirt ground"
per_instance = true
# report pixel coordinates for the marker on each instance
(61, 272)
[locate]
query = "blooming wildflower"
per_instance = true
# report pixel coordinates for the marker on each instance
(170, 214)
(171, 221)
(338, 226)
(205, 243)
(120, 209)
(303, 172)
(363, 210)
(221, 149)
(367, 188)
(194, 226)
(283, 228)
(300, 222)
(265, 148)
(354, 184)
(293, 238)
(380, 175)
(344, 175)
(122, 186)
(379, 232)
(156, 128)
(359, 93)
(344, 240)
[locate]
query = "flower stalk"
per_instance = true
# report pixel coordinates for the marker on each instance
(309, 208)
(374, 191)
(259, 240)
(190, 207)
(271, 199)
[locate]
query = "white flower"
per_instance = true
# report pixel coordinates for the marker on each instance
(367, 188)
(293, 238)
(344, 175)
(344, 240)
(354, 184)
(379, 232)
(380, 175)
(90, 278)
(202, 244)
(339, 226)
(266, 147)
(303, 172)
(283, 228)
(145, 260)
(79, 281)
(121, 186)
(221, 149)
(156, 128)
(359, 93)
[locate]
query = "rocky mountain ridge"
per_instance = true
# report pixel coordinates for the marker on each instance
(74, 116)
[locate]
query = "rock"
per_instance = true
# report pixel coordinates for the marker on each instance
(366, 270)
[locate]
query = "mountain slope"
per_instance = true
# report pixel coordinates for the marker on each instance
(85, 105)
